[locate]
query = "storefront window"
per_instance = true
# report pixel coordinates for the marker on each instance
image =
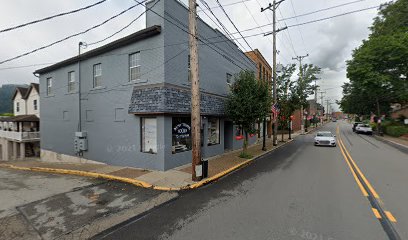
(181, 134)
(213, 131)
(149, 135)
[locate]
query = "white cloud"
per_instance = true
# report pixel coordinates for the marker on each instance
(329, 43)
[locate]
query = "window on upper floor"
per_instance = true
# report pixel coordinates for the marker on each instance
(71, 82)
(97, 75)
(134, 67)
(35, 104)
(49, 86)
(229, 78)
(17, 107)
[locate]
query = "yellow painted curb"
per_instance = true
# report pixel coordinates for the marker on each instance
(138, 182)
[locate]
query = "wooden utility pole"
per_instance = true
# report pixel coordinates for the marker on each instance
(273, 8)
(195, 93)
(302, 120)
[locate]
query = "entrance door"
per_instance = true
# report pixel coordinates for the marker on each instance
(228, 135)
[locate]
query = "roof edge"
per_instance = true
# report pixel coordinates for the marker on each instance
(137, 36)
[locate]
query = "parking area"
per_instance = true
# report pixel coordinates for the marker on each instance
(50, 206)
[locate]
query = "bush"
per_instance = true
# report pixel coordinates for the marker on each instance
(396, 131)
(245, 155)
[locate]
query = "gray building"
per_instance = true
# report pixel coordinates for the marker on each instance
(133, 108)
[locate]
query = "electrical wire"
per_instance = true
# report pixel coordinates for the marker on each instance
(224, 28)
(233, 24)
(68, 37)
(123, 28)
(51, 17)
(320, 10)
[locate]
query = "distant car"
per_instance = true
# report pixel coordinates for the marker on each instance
(334, 120)
(364, 128)
(325, 139)
(355, 125)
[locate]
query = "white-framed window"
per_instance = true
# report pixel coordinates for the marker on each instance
(134, 67)
(213, 131)
(35, 104)
(17, 107)
(229, 78)
(71, 82)
(49, 86)
(97, 75)
(149, 135)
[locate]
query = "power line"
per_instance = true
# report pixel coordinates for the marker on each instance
(321, 19)
(288, 34)
(71, 36)
(300, 31)
(25, 66)
(224, 28)
(51, 17)
(226, 5)
(233, 24)
(123, 28)
(321, 10)
(334, 16)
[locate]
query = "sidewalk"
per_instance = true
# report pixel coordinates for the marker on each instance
(174, 179)
(398, 141)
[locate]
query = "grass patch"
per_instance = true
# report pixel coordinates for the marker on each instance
(245, 155)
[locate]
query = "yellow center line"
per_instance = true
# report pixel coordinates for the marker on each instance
(375, 194)
(363, 191)
(390, 216)
(349, 159)
(376, 213)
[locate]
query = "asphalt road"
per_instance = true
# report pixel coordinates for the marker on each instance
(296, 192)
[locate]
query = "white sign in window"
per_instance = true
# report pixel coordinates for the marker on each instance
(213, 131)
(149, 135)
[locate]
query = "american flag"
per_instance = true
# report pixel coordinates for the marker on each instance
(275, 110)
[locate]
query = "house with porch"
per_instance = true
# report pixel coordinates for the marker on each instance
(20, 135)
(127, 103)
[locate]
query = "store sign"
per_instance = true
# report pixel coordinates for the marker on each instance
(182, 130)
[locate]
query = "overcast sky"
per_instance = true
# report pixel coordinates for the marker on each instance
(329, 43)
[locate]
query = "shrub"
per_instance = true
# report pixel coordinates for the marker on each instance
(396, 131)
(245, 155)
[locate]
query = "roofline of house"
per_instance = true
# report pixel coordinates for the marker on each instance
(137, 36)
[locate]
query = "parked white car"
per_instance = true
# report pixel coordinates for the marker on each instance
(325, 139)
(364, 128)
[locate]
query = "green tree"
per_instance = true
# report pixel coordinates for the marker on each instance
(378, 69)
(286, 94)
(249, 100)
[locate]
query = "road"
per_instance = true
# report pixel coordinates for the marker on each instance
(296, 192)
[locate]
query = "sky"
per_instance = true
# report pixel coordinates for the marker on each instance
(329, 43)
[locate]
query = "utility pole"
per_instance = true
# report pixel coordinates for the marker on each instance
(195, 93)
(299, 58)
(273, 8)
(327, 104)
(322, 104)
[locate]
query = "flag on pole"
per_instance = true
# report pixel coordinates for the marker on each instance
(275, 110)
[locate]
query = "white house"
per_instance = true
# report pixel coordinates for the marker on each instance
(20, 135)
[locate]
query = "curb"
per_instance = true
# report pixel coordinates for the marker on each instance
(139, 183)
(389, 141)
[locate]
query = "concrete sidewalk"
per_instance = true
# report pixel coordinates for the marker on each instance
(174, 179)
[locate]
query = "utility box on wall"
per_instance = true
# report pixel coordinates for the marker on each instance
(80, 142)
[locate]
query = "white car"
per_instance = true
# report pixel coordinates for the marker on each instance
(325, 139)
(364, 128)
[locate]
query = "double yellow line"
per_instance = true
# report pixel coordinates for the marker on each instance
(356, 172)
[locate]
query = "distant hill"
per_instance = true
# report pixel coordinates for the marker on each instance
(6, 92)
